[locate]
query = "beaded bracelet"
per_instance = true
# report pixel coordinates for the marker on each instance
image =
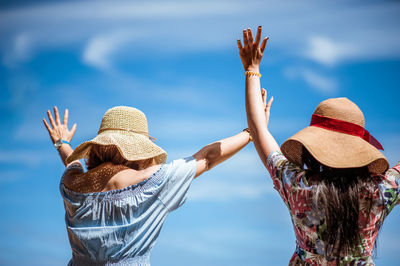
(252, 73)
(248, 131)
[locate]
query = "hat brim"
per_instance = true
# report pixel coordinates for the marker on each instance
(132, 146)
(334, 149)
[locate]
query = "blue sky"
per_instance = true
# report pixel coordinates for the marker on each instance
(177, 61)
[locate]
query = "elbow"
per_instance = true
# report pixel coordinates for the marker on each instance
(213, 155)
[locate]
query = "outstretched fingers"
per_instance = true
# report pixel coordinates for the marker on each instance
(264, 96)
(65, 121)
(73, 129)
(46, 125)
(250, 35)
(264, 44)
(258, 36)
(268, 106)
(57, 115)
(245, 40)
(239, 44)
(52, 123)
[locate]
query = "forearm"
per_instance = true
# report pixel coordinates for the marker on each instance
(256, 119)
(227, 148)
(217, 152)
(254, 104)
(65, 151)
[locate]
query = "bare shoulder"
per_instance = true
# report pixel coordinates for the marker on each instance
(129, 177)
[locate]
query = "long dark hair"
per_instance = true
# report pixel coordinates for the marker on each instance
(100, 154)
(337, 196)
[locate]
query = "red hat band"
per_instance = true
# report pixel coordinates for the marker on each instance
(344, 127)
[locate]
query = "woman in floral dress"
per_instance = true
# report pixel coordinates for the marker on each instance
(331, 175)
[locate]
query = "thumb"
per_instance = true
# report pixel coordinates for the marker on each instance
(264, 96)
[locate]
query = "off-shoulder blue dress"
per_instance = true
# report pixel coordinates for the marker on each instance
(120, 227)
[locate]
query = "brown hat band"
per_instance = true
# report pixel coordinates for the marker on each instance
(128, 130)
(344, 127)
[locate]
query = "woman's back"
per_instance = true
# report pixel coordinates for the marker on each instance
(120, 226)
(309, 220)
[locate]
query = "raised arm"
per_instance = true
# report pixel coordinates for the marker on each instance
(60, 133)
(256, 108)
(217, 152)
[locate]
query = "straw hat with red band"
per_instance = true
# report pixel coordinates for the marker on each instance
(126, 128)
(337, 138)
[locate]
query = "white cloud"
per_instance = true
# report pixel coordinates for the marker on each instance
(22, 45)
(366, 32)
(97, 25)
(20, 50)
(99, 49)
(327, 52)
(317, 81)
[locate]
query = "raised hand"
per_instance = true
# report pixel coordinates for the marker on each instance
(57, 130)
(267, 105)
(251, 53)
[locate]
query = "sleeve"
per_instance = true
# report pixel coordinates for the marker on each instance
(73, 168)
(390, 188)
(284, 174)
(179, 177)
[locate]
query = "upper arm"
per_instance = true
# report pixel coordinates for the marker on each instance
(264, 142)
(201, 164)
(284, 174)
(206, 156)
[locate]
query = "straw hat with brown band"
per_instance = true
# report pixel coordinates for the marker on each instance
(126, 128)
(337, 138)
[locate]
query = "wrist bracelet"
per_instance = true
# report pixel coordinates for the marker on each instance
(60, 142)
(248, 131)
(252, 73)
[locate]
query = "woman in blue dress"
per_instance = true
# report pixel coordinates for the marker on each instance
(115, 210)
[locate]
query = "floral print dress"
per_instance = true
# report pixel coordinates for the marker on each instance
(309, 223)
